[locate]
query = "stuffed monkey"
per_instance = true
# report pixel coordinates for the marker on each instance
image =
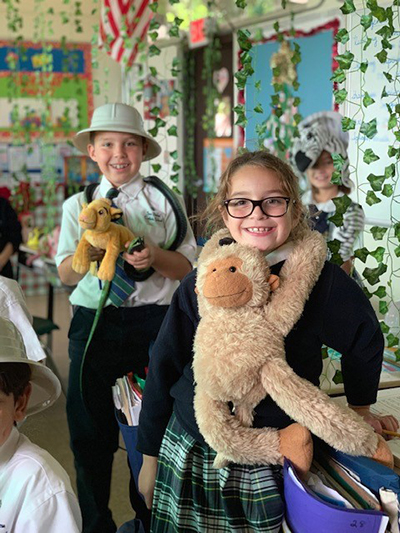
(239, 358)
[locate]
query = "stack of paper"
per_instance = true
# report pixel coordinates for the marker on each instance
(127, 395)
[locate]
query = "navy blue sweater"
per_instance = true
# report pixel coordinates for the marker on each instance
(337, 314)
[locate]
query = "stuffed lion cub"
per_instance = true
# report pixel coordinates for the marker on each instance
(239, 358)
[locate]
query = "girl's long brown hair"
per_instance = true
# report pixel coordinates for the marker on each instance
(211, 216)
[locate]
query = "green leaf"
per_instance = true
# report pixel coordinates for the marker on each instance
(381, 56)
(392, 123)
(243, 38)
(338, 161)
(153, 50)
(258, 109)
(369, 128)
(372, 274)
(391, 339)
(153, 131)
(387, 190)
(336, 177)
(348, 124)
(345, 60)
(397, 251)
(173, 131)
(336, 219)
(371, 198)
(392, 151)
(153, 6)
(324, 352)
(241, 4)
(396, 229)
(366, 21)
(155, 111)
(342, 203)
(156, 167)
(383, 307)
(390, 171)
(174, 155)
(173, 31)
(384, 327)
(334, 245)
(176, 167)
(368, 41)
(338, 377)
(380, 291)
(338, 76)
(174, 178)
(384, 94)
(348, 7)
(342, 36)
(340, 95)
(367, 100)
(388, 76)
(370, 156)
(364, 66)
(257, 85)
(378, 232)
(376, 182)
(378, 254)
(361, 254)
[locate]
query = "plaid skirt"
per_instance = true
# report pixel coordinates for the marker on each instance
(192, 496)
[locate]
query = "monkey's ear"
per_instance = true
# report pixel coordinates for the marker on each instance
(226, 240)
(273, 281)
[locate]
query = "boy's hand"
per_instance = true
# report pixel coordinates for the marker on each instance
(96, 254)
(141, 260)
(378, 422)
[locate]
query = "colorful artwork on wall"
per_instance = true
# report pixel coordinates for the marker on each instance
(30, 69)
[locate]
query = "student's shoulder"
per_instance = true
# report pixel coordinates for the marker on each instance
(37, 463)
(74, 202)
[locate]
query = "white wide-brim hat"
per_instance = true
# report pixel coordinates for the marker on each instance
(46, 387)
(120, 118)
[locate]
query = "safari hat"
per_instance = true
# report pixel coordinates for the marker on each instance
(120, 118)
(46, 387)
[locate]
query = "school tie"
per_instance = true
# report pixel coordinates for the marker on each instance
(121, 286)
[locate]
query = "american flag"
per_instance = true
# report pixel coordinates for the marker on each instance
(122, 23)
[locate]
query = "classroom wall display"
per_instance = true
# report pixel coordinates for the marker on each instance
(318, 49)
(23, 71)
(376, 84)
(217, 153)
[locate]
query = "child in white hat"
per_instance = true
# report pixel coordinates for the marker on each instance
(321, 135)
(117, 141)
(35, 491)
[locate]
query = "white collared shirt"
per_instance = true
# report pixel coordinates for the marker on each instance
(13, 307)
(35, 491)
(147, 213)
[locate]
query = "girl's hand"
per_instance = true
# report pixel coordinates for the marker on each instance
(96, 254)
(147, 479)
(141, 260)
(378, 422)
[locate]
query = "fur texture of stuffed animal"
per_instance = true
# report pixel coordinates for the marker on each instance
(100, 232)
(239, 358)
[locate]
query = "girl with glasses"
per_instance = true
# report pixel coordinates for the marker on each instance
(258, 203)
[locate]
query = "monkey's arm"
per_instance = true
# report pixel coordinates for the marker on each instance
(225, 433)
(338, 426)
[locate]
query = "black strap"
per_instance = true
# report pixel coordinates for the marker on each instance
(180, 218)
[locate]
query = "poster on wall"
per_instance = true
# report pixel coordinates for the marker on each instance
(37, 82)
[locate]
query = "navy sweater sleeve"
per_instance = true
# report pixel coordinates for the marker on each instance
(10, 228)
(351, 327)
(171, 352)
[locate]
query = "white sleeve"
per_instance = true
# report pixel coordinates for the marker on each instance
(71, 231)
(56, 514)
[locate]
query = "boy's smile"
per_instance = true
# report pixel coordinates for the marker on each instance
(259, 230)
(118, 155)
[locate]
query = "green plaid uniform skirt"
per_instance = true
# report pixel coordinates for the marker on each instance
(192, 496)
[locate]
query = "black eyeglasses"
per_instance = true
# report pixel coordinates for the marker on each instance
(275, 206)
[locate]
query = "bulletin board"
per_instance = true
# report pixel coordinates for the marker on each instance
(70, 82)
(318, 49)
(380, 213)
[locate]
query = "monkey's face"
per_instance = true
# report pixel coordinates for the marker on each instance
(225, 285)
